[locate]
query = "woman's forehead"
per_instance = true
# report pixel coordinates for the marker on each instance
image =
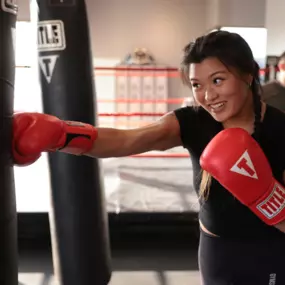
(206, 68)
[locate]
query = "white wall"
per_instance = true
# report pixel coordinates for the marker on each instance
(235, 13)
(162, 26)
(118, 26)
(212, 14)
(247, 13)
(24, 10)
(274, 22)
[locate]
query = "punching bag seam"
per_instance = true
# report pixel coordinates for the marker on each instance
(7, 81)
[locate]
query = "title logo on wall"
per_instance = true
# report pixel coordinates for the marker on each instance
(9, 6)
(51, 36)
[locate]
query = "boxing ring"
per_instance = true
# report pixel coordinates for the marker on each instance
(153, 182)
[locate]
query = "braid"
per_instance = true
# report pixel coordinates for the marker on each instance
(256, 90)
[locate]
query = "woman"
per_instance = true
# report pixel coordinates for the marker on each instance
(236, 247)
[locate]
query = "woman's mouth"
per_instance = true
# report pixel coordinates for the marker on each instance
(218, 107)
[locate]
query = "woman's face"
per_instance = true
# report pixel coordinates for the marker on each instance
(222, 93)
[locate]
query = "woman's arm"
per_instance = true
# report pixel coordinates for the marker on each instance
(281, 226)
(160, 135)
(34, 133)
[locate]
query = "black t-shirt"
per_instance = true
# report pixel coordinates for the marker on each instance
(274, 95)
(222, 213)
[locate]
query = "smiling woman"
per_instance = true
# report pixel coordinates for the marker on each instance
(222, 79)
(219, 90)
(221, 71)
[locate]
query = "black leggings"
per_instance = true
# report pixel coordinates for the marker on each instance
(232, 262)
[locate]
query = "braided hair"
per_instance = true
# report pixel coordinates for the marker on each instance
(256, 92)
(233, 51)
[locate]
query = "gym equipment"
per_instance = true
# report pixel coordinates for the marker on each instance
(8, 211)
(78, 218)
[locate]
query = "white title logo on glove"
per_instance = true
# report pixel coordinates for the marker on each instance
(244, 166)
(274, 203)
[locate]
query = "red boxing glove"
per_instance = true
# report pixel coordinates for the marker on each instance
(236, 160)
(34, 133)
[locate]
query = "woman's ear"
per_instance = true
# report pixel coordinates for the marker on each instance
(249, 80)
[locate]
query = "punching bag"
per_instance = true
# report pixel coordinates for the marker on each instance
(8, 212)
(78, 218)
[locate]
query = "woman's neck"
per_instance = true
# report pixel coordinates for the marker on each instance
(244, 119)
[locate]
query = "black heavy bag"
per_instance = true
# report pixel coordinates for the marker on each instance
(78, 217)
(8, 212)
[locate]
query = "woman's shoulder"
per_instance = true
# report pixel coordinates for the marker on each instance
(192, 112)
(197, 127)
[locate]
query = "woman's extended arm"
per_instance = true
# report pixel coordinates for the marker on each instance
(160, 135)
(34, 133)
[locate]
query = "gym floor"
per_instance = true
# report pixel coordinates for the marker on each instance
(175, 262)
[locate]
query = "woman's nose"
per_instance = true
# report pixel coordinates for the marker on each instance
(210, 95)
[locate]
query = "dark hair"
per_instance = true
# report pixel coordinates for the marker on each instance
(233, 51)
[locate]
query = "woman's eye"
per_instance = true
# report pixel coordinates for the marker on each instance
(195, 85)
(218, 80)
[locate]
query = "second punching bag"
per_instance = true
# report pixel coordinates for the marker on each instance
(8, 210)
(78, 218)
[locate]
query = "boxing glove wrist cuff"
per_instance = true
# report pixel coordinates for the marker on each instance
(271, 206)
(79, 138)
